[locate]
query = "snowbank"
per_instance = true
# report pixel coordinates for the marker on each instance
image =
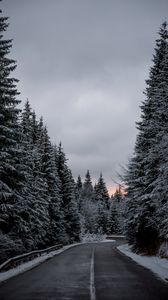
(156, 264)
(33, 263)
(92, 237)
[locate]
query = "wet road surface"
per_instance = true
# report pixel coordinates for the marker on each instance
(96, 271)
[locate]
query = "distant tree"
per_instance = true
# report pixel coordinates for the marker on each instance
(118, 204)
(34, 128)
(101, 192)
(78, 192)
(87, 192)
(101, 218)
(117, 197)
(113, 225)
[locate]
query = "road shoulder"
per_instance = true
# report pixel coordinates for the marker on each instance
(159, 266)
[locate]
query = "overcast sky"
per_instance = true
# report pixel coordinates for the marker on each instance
(83, 65)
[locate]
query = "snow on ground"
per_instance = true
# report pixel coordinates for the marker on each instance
(92, 238)
(107, 240)
(35, 262)
(156, 264)
(31, 264)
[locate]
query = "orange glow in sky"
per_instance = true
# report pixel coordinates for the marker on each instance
(111, 190)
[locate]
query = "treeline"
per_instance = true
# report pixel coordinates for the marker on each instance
(99, 213)
(147, 175)
(38, 206)
(37, 191)
(40, 203)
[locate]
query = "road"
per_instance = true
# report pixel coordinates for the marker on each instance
(94, 271)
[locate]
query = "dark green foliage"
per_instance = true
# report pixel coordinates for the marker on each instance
(101, 192)
(37, 191)
(146, 177)
(11, 175)
(78, 192)
(68, 202)
(113, 226)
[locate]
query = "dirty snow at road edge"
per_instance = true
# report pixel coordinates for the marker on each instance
(156, 264)
(33, 263)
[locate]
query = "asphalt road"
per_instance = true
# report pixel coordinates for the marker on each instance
(86, 272)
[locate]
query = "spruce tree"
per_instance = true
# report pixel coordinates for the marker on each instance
(113, 226)
(101, 192)
(78, 192)
(87, 208)
(87, 187)
(144, 169)
(101, 218)
(69, 207)
(53, 198)
(11, 175)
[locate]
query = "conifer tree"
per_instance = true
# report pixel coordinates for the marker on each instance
(11, 175)
(87, 187)
(53, 198)
(78, 192)
(101, 192)
(71, 221)
(101, 218)
(113, 226)
(144, 169)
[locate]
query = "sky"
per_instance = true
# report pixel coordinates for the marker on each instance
(83, 64)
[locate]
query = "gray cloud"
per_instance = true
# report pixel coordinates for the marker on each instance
(83, 65)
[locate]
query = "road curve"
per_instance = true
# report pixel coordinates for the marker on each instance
(94, 271)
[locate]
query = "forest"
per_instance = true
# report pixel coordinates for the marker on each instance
(41, 203)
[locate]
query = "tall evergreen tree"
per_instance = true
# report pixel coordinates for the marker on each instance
(69, 206)
(143, 172)
(101, 218)
(101, 192)
(113, 225)
(53, 198)
(78, 192)
(11, 175)
(87, 187)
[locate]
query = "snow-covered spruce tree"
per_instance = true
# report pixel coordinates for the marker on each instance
(38, 186)
(87, 192)
(78, 192)
(71, 222)
(143, 202)
(113, 224)
(101, 192)
(159, 151)
(88, 207)
(27, 213)
(116, 215)
(34, 215)
(34, 128)
(53, 198)
(101, 218)
(41, 209)
(11, 175)
(101, 198)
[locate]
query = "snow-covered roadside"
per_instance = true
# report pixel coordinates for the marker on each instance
(156, 264)
(33, 263)
(107, 241)
(98, 238)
